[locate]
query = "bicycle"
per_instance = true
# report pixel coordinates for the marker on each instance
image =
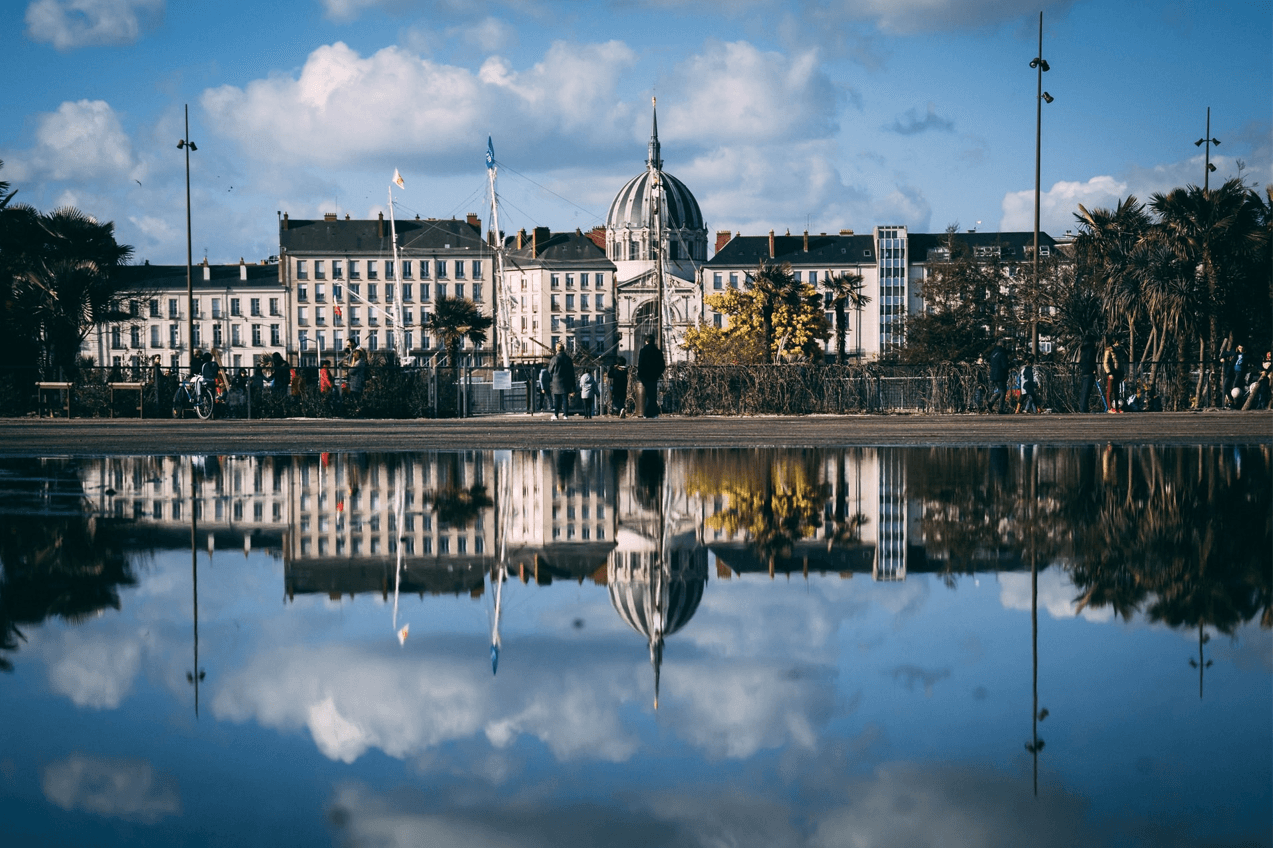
(199, 396)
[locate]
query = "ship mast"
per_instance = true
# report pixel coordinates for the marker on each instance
(503, 324)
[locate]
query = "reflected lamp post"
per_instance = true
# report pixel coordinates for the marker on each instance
(187, 145)
(1040, 65)
(1208, 141)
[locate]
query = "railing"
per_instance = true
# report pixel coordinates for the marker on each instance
(431, 389)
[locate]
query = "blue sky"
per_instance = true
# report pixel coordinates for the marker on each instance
(826, 115)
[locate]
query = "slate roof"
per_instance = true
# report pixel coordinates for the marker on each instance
(629, 208)
(363, 236)
(824, 251)
(1012, 245)
(173, 277)
(564, 250)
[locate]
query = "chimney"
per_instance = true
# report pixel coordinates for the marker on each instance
(540, 239)
(380, 226)
(846, 232)
(521, 238)
(243, 269)
(474, 222)
(771, 244)
(598, 237)
(347, 216)
(722, 239)
(806, 241)
(207, 270)
(329, 216)
(285, 220)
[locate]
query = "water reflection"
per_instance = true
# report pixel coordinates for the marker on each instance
(817, 616)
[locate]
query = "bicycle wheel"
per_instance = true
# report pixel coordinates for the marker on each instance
(203, 405)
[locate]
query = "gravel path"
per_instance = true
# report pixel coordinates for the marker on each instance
(100, 437)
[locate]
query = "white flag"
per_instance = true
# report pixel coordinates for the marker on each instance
(397, 178)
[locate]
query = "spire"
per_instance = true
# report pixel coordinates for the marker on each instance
(655, 158)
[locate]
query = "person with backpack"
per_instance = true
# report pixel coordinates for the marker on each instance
(1029, 387)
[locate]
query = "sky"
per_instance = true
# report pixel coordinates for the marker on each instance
(821, 115)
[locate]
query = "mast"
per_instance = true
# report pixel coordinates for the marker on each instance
(654, 166)
(503, 323)
(400, 337)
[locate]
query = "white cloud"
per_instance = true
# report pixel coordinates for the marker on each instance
(68, 24)
(1056, 595)
(344, 108)
(93, 671)
(82, 140)
(117, 788)
(1058, 204)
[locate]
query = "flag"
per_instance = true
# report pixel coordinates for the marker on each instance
(397, 178)
(490, 154)
(337, 311)
(402, 634)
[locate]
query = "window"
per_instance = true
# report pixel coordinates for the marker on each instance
(372, 294)
(320, 293)
(371, 269)
(338, 293)
(556, 303)
(236, 337)
(440, 268)
(555, 281)
(338, 270)
(198, 335)
(354, 321)
(570, 302)
(302, 337)
(154, 307)
(406, 291)
(172, 308)
(353, 270)
(320, 316)
(406, 269)
(235, 309)
(583, 281)
(174, 339)
(813, 278)
(459, 289)
(1045, 250)
(154, 335)
(217, 338)
(320, 269)
(570, 281)
(389, 293)
(459, 269)
(477, 269)
(274, 306)
(256, 335)
(716, 319)
(424, 269)
(216, 309)
(254, 307)
(302, 269)
(440, 290)
(717, 281)
(302, 293)
(600, 301)
(275, 338)
(389, 269)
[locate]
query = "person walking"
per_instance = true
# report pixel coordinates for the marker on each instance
(650, 367)
(544, 388)
(1115, 365)
(1029, 400)
(587, 392)
(561, 371)
(1087, 372)
(998, 379)
(358, 372)
(618, 377)
(280, 376)
(325, 382)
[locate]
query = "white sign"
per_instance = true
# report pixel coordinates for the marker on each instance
(503, 380)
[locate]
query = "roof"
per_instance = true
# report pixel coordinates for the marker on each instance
(544, 248)
(824, 250)
(173, 277)
(630, 209)
(1012, 245)
(372, 236)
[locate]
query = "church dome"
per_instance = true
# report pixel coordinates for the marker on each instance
(631, 207)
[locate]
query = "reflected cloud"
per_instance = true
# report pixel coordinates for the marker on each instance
(93, 670)
(1057, 595)
(116, 788)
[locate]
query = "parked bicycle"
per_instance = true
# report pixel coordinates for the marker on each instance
(198, 395)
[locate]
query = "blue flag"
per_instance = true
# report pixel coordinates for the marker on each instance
(490, 153)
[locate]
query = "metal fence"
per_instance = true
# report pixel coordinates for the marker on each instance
(688, 389)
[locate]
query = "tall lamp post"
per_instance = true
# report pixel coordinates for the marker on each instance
(1208, 141)
(188, 145)
(1041, 65)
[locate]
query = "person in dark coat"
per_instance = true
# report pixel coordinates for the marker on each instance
(358, 372)
(544, 385)
(618, 377)
(650, 367)
(280, 376)
(561, 371)
(998, 378)
(1087, 371)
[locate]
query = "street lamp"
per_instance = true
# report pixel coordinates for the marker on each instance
(188, 145)
(1208, 141)
(1041, 65)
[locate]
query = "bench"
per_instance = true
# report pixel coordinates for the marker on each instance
(42, 391)
(139, 388)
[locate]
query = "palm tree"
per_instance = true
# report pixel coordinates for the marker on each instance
(455, 319)
(1219, 233)
(774, 285)
(845, 289)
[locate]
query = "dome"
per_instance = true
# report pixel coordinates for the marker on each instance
(636, 605)
(630, 208)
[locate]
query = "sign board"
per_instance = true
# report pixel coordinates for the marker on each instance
(503, 380)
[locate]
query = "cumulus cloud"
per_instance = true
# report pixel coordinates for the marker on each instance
(82, 140)
(93, 672)
(913, 123)
(1056, 595)
(68, 24)
(1058, 204)
(116, 788)
(343, 107)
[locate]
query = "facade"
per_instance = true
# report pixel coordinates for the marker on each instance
(339, 283)
(238, 313)
(892, 262)
(560, 288)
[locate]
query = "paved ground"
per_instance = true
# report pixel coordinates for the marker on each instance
(96, 437)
